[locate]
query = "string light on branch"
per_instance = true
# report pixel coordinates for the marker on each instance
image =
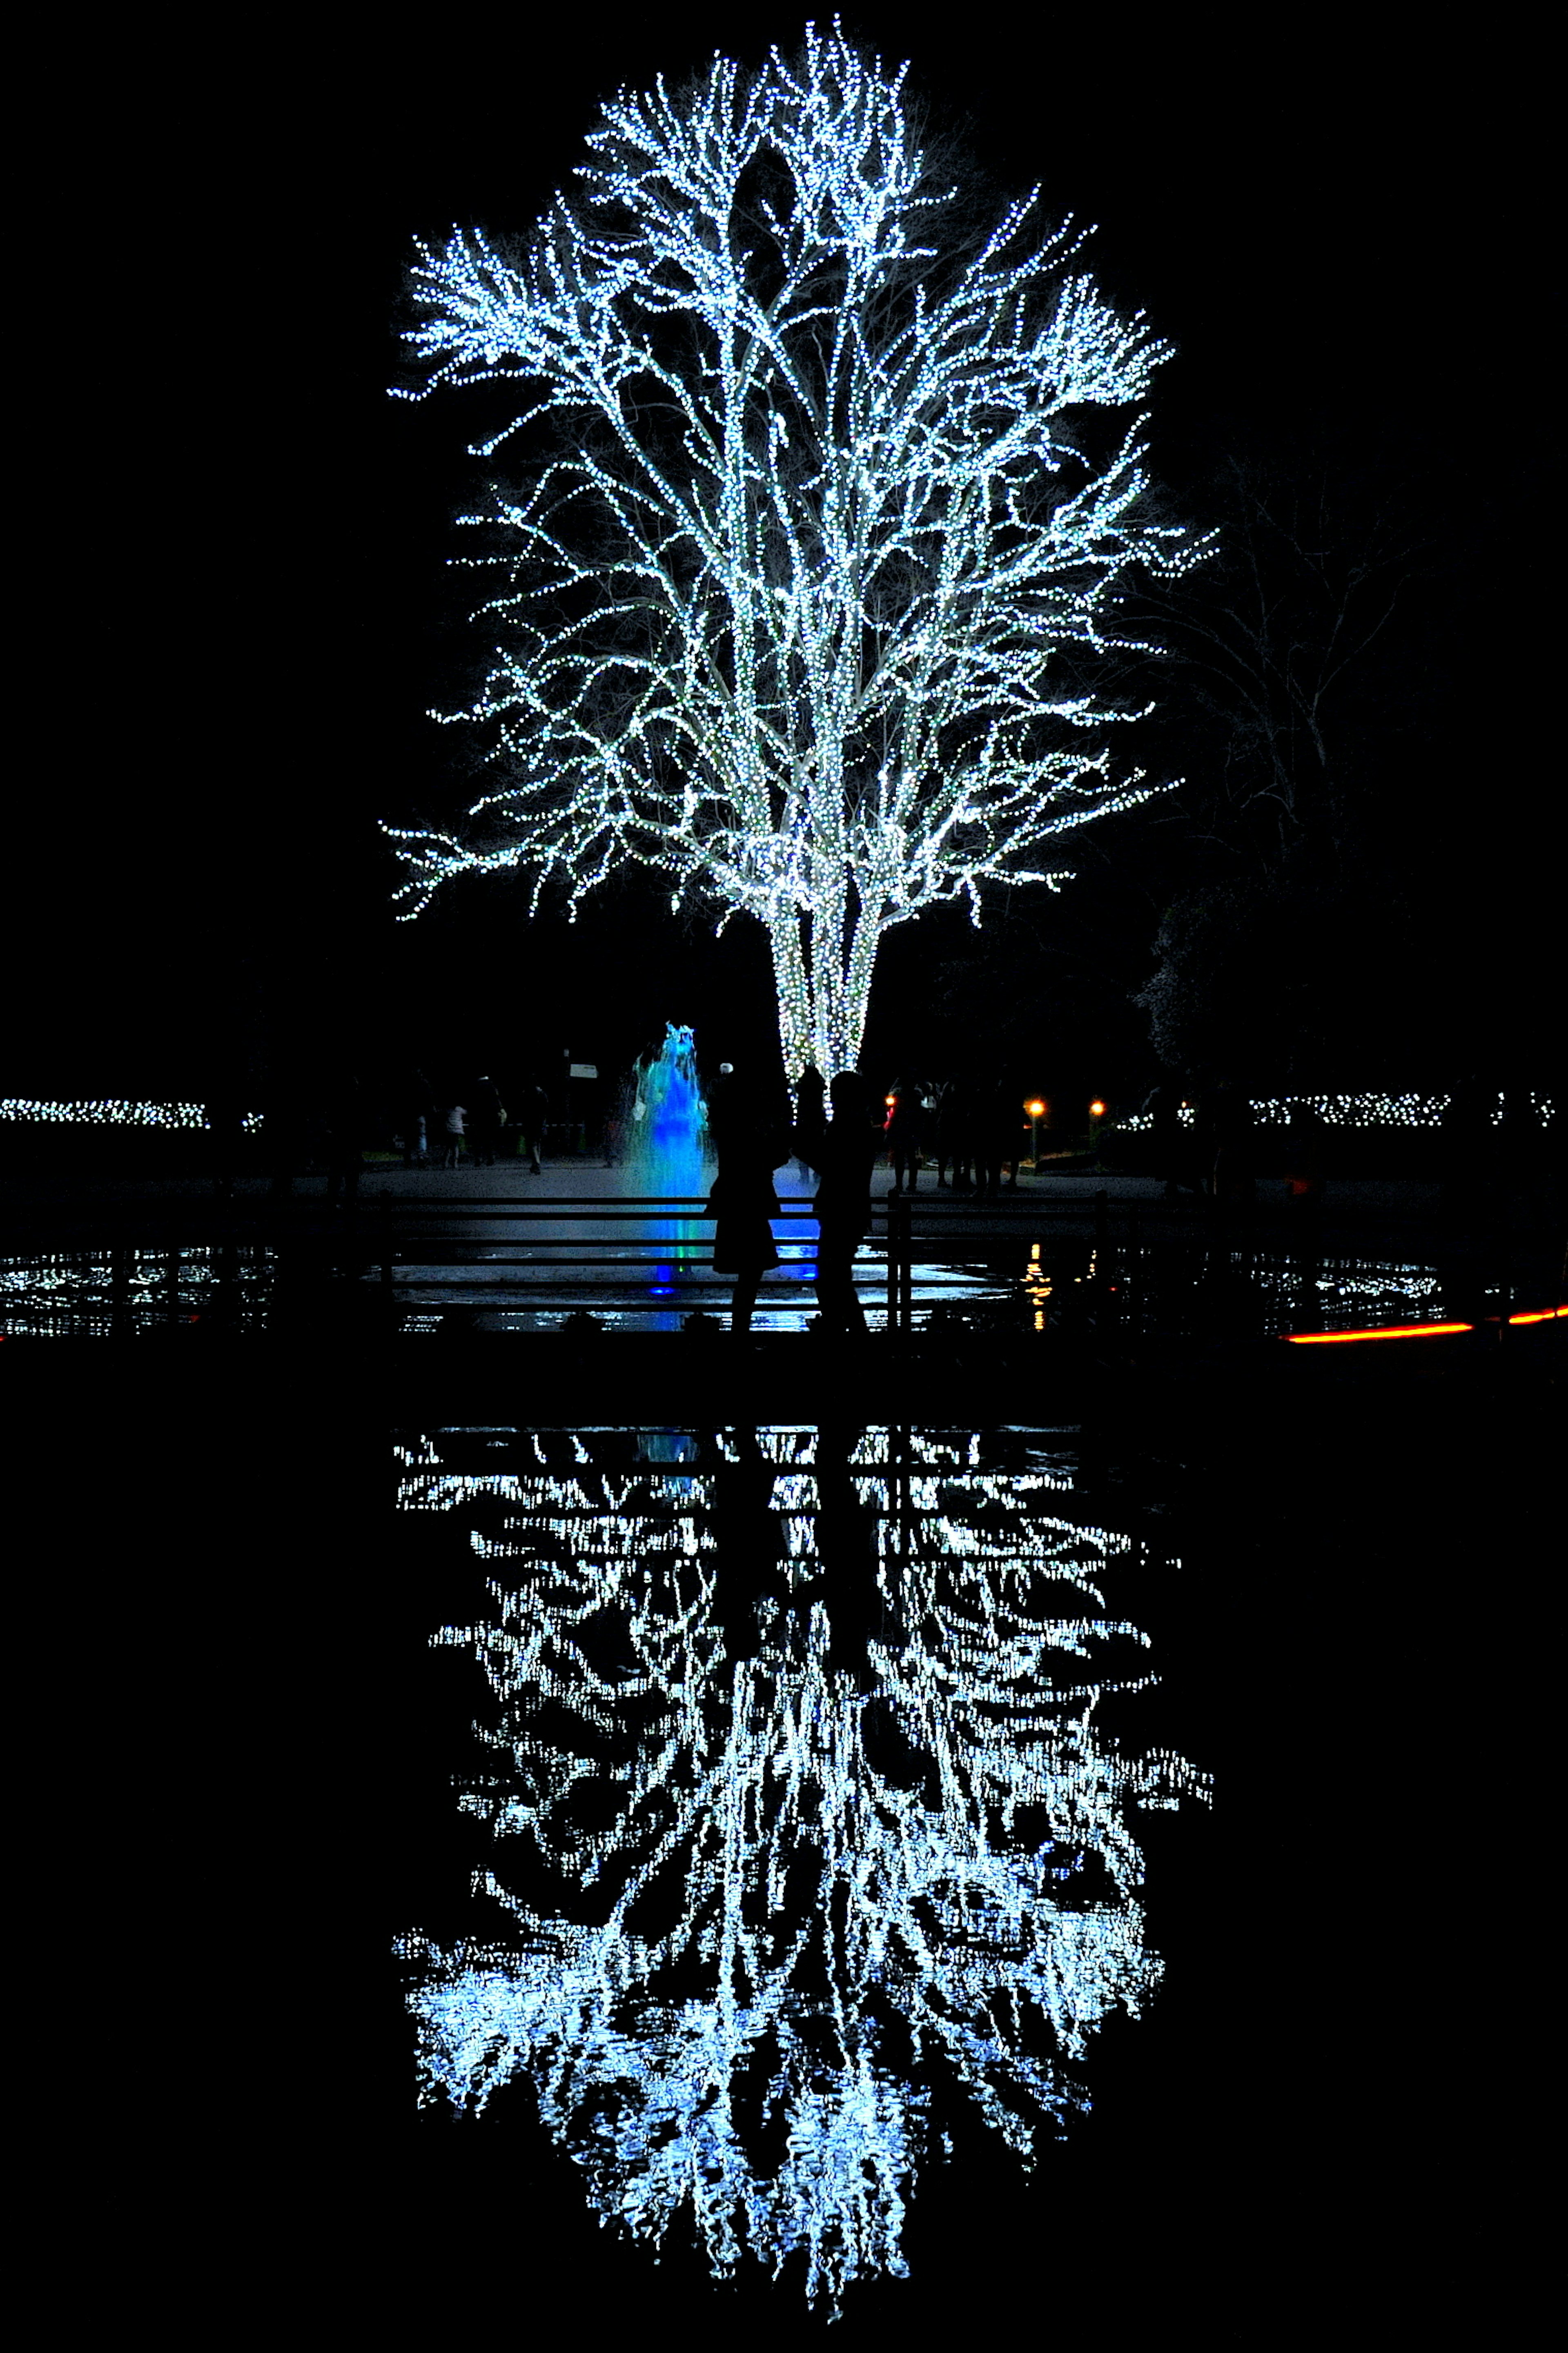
(826, 507)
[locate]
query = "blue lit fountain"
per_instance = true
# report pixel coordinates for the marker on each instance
(666, 1148)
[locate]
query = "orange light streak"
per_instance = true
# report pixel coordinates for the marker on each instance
(1420, 1331)
(1381, 1331)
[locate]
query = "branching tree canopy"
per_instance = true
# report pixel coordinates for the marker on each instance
(828, 501)
(1291, 670)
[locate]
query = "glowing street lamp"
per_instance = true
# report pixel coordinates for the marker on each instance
(1037, 1110)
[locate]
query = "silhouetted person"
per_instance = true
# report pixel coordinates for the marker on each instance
(906, 1120)
(1233, 1170)
(487, 1121)
(843, 1157)
(225, 1124)
(415, 1121)
(995, 1138)
(1518, 1135)
(1466, 1133)
(847, 1549)
(1304, 1146)
(1162, 1108)
(453, 1124)
(750, 1145)
(810, 1112)
(955, 1135)
(532, 1111)
(747, 1538)
(1230, 1138)
(344, 1141)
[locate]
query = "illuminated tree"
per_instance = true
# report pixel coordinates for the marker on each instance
(823, 532)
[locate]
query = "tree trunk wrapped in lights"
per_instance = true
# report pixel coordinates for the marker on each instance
(821, 538)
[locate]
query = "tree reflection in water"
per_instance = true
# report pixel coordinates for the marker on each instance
(800, 1805)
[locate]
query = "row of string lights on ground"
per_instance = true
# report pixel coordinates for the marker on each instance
(115, 1112)
(1334, 1111)
(1274, 1111)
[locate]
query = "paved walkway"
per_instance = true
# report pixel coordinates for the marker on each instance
(1391, 1214)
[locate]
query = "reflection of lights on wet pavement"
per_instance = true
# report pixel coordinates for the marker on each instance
(909, 1873)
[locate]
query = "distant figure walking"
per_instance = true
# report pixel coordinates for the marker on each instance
(451, 1156)
(344, 1140)
(954, 1136)
(416, 1119)
(487, 1113)
(842, 1156)
(906, 1119)
(1162, 1109)
(1304, 1148)
(530, 1116)
(997, 1123)
(744, 1199)
(1467, 1142)
(1231, 1179)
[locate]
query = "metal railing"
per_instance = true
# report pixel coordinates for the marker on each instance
(190, 1263)
(402, 1263)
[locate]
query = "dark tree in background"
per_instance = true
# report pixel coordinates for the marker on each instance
(1296, 686)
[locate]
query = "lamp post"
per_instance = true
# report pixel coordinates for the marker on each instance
(1036, 1112)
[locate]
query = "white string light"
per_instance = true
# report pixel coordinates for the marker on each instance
(1350, 1111)
(803, 657)
(985, 1889)
(114, 1111)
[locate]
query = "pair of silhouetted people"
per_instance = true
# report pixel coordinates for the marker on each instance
(752, 1144)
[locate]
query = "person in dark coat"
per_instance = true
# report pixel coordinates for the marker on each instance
(532, 1110)
(417, 1111)
(954, 1136)
(344, 1139)
(843, 1156)
(744, 1200)
(998, 1120)
(487, 1121)
(811, 1110)
(1162, 1110)
(906, 1117)
(1232, 1131)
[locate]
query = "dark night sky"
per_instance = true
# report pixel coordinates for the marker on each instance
(234, 540)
